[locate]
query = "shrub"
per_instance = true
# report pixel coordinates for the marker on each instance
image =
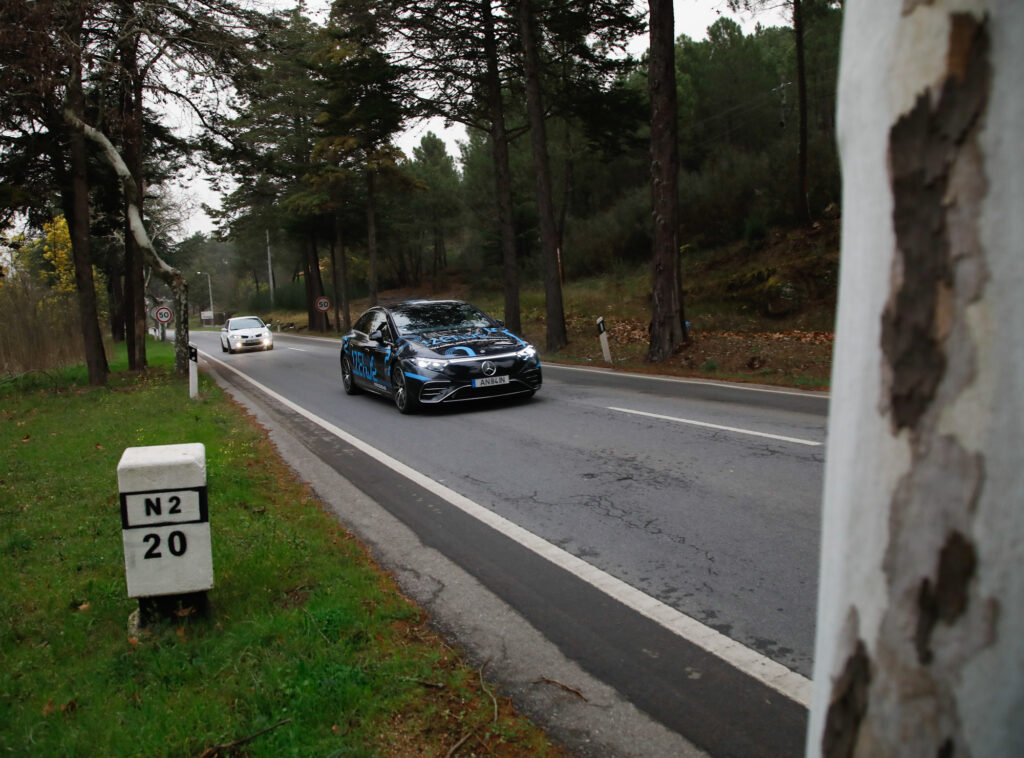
(40, 329)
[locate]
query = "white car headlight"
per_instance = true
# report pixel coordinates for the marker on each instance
(528, 353)
(430, 364)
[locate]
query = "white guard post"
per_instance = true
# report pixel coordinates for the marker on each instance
(165, 521)
(193, 370)
(602, 332)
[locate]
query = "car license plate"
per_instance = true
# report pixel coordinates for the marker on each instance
(490, 381)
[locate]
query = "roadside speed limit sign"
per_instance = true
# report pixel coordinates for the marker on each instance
(323, 304)
(163, 314)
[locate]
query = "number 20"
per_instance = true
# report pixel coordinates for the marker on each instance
(176, 543)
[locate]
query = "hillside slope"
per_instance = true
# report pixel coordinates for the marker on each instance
(760, 311)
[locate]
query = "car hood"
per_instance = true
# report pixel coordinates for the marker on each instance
(461, 343)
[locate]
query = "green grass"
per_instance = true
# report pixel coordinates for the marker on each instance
(303, 628)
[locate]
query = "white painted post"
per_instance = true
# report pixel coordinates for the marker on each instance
(193, 371)
(165, 520)
(602, 332)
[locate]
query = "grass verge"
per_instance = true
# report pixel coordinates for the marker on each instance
(309, 649)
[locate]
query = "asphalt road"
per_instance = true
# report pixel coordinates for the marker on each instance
(601, 496)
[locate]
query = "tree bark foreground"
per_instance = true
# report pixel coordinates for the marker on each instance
(920, 635)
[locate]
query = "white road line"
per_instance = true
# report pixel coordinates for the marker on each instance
(719, 427)
(771, 673)
(682, 380)
(298, 349)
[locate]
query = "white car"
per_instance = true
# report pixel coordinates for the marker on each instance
(245, 333)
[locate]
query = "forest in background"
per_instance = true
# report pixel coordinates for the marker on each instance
(299, 122)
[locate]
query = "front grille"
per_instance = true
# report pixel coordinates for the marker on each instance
(469, 370)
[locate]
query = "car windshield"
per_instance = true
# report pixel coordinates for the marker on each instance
(417, 318)
(245, 323)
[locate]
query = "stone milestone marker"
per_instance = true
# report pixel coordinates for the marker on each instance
(165, 527)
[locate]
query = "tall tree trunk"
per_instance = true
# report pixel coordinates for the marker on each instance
(803, 200)
(502, 173)
(920, 631)
(115, 299)
(439, 254)
(554, 309)
(316, 318)
(131, 121)
(78, 217)
(340, 269)
(132, 291)
(371, 231)
(668, 324)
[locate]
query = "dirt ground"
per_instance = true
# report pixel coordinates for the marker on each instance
(790, 358)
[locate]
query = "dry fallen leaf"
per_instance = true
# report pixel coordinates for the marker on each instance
(48, 708)
(85, 606)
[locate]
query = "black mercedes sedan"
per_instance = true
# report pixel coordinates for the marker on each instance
(428, 352)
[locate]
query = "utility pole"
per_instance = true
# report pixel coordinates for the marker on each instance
(270, 272)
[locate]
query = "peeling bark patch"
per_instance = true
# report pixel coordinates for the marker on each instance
(946, 601)
(849, 704)
(924, 145)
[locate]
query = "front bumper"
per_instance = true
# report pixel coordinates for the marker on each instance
(251, 344)
(456, 382)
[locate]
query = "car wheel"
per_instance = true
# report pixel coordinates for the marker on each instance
(348, 381)
(404, 401)
(223, 348)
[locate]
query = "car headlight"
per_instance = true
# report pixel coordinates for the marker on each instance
(430, 364)
(528, 353)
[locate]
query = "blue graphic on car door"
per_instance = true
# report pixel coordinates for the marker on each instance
(363, 365)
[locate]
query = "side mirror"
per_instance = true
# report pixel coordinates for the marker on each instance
(376, 335)
(499, 323)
